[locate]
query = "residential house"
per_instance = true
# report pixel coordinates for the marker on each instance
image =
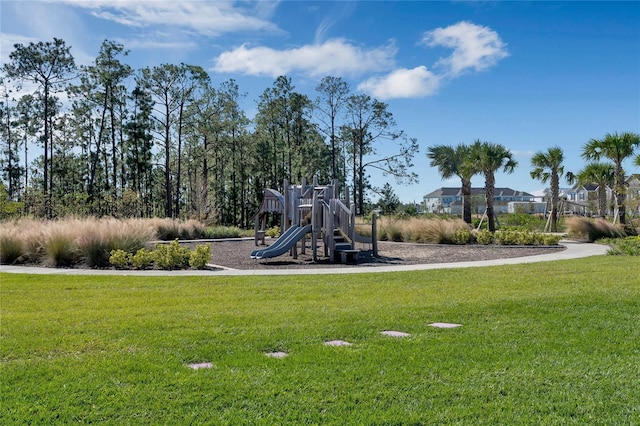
(633, 194)
(449, 200)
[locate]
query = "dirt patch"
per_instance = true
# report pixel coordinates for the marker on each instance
(236, 254)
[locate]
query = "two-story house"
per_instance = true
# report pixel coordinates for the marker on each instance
(449, 200)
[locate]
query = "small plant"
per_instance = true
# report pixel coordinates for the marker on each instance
(171, 256)
(199, 257)
(142, 259)
(484, 237)
(119, 258)
(273, 232)
(551, 240)
(629, 246)
(461, 236)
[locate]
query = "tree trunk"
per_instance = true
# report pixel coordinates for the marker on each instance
(466, 200)
(489, 191)
(555, 190)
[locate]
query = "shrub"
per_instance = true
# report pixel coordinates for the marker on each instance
(551, 240)
(461, 236)
(98, 237)
(11, 246)
(119, 259)
(273, 232)
(629, 246)
(199, 257)
(592, 230)
(142, 259)
(222, 232)
(171, 256)
(484, 237)
(389, 230)
(59, 247)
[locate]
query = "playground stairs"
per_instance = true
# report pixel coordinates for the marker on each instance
(343, 247)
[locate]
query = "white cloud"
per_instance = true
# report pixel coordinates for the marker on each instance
(7, 41)
(527, 154)
(204, 17)
(402, 83)
(474, 47)
(334, 56)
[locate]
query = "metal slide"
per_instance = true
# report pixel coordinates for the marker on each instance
(284, 243)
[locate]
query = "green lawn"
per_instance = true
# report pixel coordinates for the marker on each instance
(545, 343)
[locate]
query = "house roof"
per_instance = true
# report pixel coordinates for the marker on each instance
(457, 192)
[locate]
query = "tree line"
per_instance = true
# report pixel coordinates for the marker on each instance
(105, 139)
(166, 141)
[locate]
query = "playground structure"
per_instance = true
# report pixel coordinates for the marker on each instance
(311, 209)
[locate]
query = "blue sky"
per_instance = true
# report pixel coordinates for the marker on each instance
(528, 75)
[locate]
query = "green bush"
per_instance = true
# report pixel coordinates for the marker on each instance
(119, 258)
(551, 240)
(484, 237)
(171, 256)
(629, 246)
(142, 259)
(214, 232)
(525, 238)
(199, 257)
(273, 232)
(461, 236)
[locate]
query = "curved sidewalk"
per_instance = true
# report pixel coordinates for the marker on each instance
(574, 250)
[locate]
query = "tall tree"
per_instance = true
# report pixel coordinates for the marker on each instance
(139, 153)
(332, 97)
(617, 148)
(369, 123)
(9, 133)
(48, 65)
(456, 161)
(490, 157)
(171, 87)
(27, 109)
(547, 167)
(600, 174)
(100, 96)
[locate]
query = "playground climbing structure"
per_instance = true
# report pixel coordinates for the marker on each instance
(310, 209)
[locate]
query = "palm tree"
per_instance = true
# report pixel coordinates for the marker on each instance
(637, 161)
(456, 161)
(489, 158)
(601, 174)
(617, 148)
(547, 166)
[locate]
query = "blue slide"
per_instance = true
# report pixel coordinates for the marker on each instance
(283, 244)
(278, 242)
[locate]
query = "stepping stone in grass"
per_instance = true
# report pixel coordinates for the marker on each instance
(276, 354)
(444, 325)
(200, 365)
(395, 333)
(337, 343)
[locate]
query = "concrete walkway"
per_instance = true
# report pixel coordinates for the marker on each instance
(574, 250)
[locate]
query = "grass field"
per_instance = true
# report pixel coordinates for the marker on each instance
(541, 344)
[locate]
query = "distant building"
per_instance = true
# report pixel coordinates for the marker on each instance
(449, 200)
